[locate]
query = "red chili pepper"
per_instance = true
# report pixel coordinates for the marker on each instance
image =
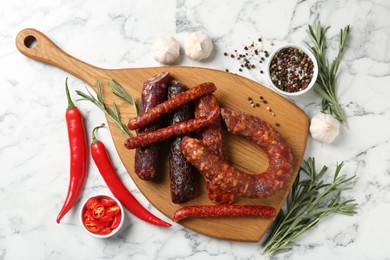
(87, 215)
(113, 210)
(106, 219)
(114, 183)
(91, 203)
(93, 225)
(116, 221)
(105, 231)
(98, 211)
(107, 202)
(78, 155)
(224, 211)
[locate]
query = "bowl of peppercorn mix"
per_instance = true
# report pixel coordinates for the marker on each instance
(292, 70)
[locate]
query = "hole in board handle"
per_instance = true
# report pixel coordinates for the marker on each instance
(30, 42)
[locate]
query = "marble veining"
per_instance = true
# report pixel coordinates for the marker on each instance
(117, 34)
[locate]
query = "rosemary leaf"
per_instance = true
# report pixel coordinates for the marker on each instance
(326, 84)
(120, 92)
(114, 115)
(309, 201)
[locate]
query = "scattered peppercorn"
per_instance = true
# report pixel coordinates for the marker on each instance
(252, 53)
(277, 124)
(261, 71)
(257, 105)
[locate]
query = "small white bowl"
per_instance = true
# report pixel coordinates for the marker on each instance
(114, 231)
(315, 70)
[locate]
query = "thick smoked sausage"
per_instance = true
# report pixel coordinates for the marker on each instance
(154, 92)
(181, 172)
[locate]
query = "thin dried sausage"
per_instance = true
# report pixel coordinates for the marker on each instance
(171, 131)
(227, 177)
(154, 92)
(170, 105)
(211, 136)
(181, 172)
(224, 211)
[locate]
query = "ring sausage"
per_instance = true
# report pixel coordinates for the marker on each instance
(154, 92)
(211, 136)
(233, 180)
(171, 131)
(170, 105)
(181, 172)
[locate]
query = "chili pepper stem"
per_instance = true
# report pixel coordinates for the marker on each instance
(94, 139)
(70, 102)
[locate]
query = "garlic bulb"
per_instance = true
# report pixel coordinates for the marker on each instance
(324, 128)
(198, 46)
(166, 50)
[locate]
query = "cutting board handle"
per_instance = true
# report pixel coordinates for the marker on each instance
(34, 44)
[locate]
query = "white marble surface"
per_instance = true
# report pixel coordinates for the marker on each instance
(114, 34)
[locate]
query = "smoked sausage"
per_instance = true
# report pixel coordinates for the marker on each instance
(173, 130)
(224, 211)
(154, 92)
(211, 137)
(181, 172)
(170, 105)
(229, 178)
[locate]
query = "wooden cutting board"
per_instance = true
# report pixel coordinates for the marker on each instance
(232, 92)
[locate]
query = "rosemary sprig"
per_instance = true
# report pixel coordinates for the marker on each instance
(120, 92)
(309, 201)
(113, 114)
(326, 84)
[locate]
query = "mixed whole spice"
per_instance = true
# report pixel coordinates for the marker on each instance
(291, 69)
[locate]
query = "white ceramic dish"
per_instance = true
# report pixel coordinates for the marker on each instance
(315, 70)
(114, 231)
